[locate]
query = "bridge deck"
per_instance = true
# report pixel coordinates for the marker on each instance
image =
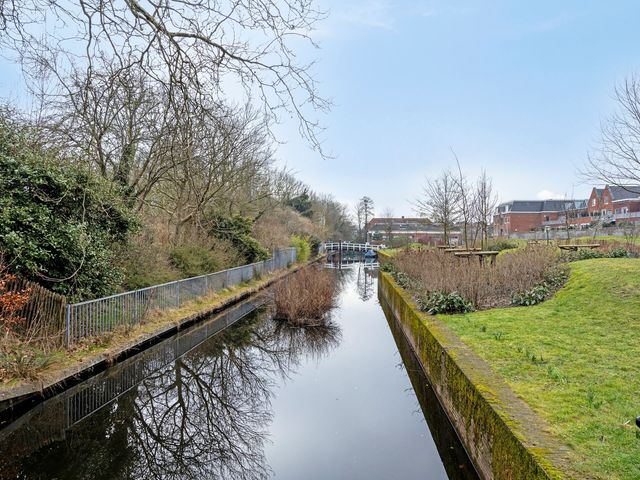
(351, 247)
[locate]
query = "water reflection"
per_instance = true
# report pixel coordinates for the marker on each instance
(453, 455)
(243, 396)
(200, 414)
(315, 342)
(366, 280)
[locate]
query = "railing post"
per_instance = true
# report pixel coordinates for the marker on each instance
(67, 333)
(178, 294)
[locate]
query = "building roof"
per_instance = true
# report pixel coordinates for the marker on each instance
(404, 226)
(421, 221)
(375, 220)
(538, 206)
(624, 192)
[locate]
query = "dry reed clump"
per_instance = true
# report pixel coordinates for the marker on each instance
(305, 297)
(483, 285)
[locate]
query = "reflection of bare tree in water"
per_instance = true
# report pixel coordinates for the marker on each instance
(366, 278)
(206, 415)
(314, 342)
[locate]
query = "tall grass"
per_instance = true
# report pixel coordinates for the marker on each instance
(483, 285)
(306, 297)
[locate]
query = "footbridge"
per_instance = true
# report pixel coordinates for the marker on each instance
(350, 247)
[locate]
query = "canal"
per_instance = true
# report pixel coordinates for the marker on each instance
(242, 396)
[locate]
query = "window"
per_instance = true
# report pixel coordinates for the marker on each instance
(606, 200)
(593, 202)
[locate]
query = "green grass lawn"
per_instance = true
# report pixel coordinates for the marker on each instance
(575, 359)
(605, 238)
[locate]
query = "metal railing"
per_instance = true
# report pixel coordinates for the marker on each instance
(350, 247)
(102, 315)
(63, 411)
(627, 216)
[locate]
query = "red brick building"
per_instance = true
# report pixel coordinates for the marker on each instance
(615, 203)
(520, 216)
(412, 229)
(611, 204)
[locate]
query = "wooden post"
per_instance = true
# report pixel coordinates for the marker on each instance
(67, 334)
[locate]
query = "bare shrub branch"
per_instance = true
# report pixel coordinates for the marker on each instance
(202, 49)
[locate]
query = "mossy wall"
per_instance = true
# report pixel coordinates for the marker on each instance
(502, 435)
(383, 257)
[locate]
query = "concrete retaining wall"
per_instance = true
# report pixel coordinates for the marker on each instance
(503, 437)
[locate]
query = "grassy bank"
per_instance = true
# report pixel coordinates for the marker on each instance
(574, 360)
(607, 238)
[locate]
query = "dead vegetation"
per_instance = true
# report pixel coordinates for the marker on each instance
(482, 285)
(306, 297)
(30, 326)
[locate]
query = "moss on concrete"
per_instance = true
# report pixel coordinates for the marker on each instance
(573, 359)
(503, 436)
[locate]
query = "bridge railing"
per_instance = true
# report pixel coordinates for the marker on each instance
(351, 247)
(102, 315)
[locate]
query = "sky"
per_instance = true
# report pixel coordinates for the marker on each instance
(516, 88)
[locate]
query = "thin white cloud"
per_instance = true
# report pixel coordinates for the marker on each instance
(554, 23)
(378, 14)
(548, 194)
(433, 8)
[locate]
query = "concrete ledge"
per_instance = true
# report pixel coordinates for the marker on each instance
(383, 257)
(26, 394)
(503, 437)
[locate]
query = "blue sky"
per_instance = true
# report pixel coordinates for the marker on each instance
(518, 88)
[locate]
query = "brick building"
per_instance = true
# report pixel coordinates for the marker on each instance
(519, 216)
(411, 229)
(615, 203)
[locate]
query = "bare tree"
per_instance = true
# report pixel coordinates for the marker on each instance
(387, 214)
(285, 185)
(221, 166)
(332, 217)
(440, 202)
(631, 231)
(359, 214)
(197, 49)
(617, 160)
(120, 124)
(465, 200)
(569, 213)
(175, 157)
(365, 205)
(484, 204)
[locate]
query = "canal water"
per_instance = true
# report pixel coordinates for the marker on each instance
(243, 396)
